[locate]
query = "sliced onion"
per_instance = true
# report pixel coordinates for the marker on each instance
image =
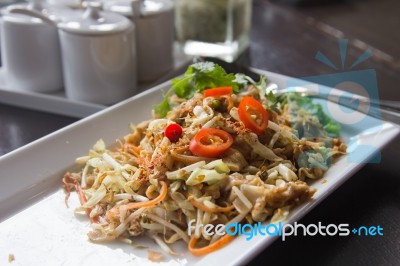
(188, 159)
(242, 197)
(134, 197)
(189, 168)
(169, 225)
(111, 161)
(84, 173)
(122, 227)
(173, 238)
(152, 226)
(162, 244)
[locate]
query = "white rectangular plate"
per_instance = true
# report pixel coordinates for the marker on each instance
(38, 229)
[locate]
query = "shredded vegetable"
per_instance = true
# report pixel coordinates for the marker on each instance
(230, 154)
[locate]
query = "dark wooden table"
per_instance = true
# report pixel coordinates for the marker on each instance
(285, 39)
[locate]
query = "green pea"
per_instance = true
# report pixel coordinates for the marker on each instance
(215, 103)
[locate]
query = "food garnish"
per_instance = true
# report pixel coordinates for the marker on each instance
(173, 132)
(253, 115)
(197, 78)
(215, 92)
(210, 142)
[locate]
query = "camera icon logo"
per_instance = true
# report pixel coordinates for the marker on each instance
(346, 87)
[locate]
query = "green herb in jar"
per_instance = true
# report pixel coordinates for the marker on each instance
(212, 21)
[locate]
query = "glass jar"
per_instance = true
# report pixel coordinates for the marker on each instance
(216, 28)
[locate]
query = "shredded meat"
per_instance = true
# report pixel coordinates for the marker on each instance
(292, 192)
(135, 229)
(235, 160)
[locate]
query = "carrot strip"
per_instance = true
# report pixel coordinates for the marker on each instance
(159, 198)
(210, 248)
(82, 196)
(204, 208)
(83, 200)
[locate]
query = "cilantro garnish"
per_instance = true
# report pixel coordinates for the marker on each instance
(198, 77)
(161, 109)
(201, 76)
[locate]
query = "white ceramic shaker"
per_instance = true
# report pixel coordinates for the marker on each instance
(99, 56)
(30, 49)
(154, 21)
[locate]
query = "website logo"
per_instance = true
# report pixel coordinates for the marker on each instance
(282, 230)
(346, 87)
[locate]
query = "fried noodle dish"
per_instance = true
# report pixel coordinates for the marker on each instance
(220, 148)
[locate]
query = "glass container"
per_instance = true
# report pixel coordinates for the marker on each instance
(216, 28)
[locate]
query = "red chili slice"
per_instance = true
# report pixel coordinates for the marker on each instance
(253, 115)
(215, 92)
(210, 142)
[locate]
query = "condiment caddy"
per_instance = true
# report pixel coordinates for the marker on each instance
(93, 53)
